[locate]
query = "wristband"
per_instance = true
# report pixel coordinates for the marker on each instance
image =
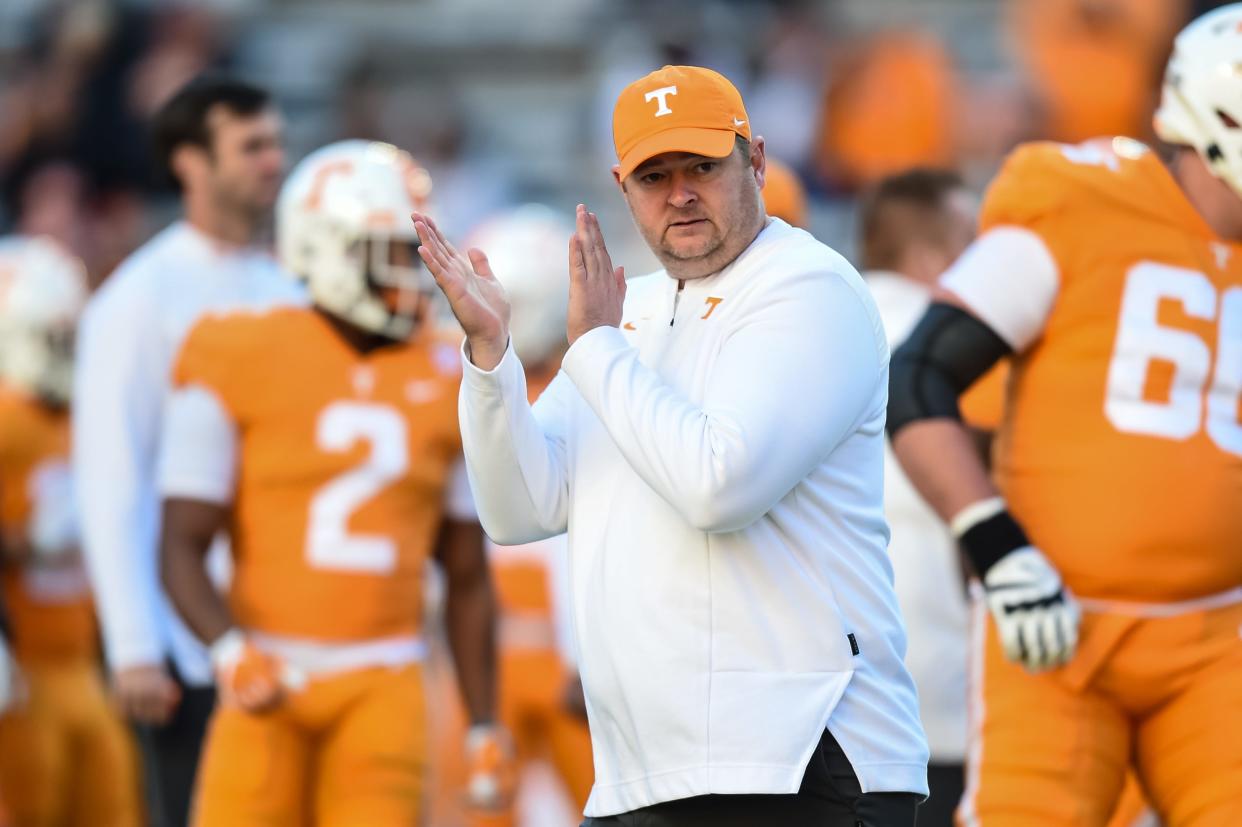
(986, 532)
(226, 649)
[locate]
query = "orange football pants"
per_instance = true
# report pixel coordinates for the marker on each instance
(532, 707)
(1161, 696)
(348, 750)
(66, 758)
(1132, 808)
(532, 686)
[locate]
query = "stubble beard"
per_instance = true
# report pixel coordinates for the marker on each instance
(250, 207)
(691, 264)
(719, 250)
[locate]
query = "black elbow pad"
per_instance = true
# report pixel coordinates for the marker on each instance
(947, 351)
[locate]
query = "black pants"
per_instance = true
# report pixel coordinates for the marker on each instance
(170, 756)
(829, 797)
(947, 782)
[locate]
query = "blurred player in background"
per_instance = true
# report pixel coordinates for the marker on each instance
(66, 758)
(1115, 281)
(325, 440)
(527, 250)
(220, 141)
(912, 226)
(783, 194)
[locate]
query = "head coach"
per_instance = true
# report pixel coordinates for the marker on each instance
(714, 446)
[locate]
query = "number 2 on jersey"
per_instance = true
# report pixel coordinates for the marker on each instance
(1140, 340)
(341, 425)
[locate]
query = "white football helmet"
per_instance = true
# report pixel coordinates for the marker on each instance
(528, 249)
(340, 217)
(1201, 101)
(43, 290)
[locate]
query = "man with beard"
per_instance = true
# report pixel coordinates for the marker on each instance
(714, 445)
(220, 141)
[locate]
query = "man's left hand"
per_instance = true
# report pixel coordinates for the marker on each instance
(596, 288)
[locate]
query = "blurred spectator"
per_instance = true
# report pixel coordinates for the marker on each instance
(1094, 65)
(789, 82)
(73, 142)
(66, 757)
(52, 202)
(102, 228)
(892, 104)
(185, 42)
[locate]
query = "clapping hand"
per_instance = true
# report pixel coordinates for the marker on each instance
(596, 288)
(474, 295)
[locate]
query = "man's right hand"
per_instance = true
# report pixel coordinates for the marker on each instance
(474, 295)
(146, 693)
(249, 678)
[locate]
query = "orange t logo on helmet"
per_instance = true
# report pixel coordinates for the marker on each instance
(696, 110)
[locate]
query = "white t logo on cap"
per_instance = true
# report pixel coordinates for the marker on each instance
(661, 94)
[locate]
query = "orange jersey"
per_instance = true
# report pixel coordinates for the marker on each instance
(890, 106)
(1095, 67)
(983, 403)
(1121, 449)
(50, 606)
(343, 462)
(521, 581)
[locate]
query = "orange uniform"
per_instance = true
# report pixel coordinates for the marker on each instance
(532, 687)
(533, 674)
(1094, 67)
(983, 404)
(343, 460)
(1125, 412)
(890, 106)
(1121, 455)
(65, 756)
(533, 683)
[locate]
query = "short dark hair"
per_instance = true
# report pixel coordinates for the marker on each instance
(183, 119)
(899, 206)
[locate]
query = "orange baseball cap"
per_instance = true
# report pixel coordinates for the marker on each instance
(677, 109)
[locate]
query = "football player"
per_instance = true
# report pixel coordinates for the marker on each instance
(526, 245)
(1108, 552)
(325, 440)
(65, 756)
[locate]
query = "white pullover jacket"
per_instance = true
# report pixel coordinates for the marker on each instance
(132, 329)
(718, 464)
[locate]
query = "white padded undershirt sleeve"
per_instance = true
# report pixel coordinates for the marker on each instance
(198, 454)
(1009, 279)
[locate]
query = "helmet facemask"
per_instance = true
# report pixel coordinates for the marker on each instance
(1202, 86)
(42, 292)
(394, 276)
(40, 361)
(343, 226)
